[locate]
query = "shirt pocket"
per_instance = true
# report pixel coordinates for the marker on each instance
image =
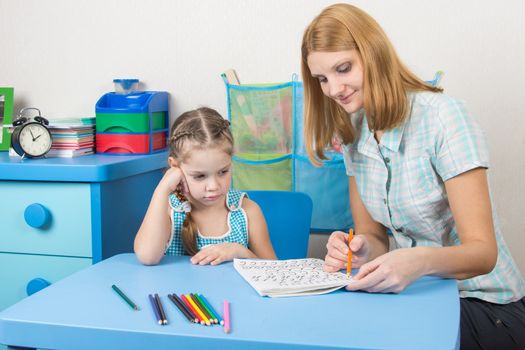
(426, 196)
(371, 178)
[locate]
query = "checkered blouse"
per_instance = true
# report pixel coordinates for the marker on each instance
(401, 183)
(237, 223)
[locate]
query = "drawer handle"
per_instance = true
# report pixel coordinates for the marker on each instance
(35, 285)
(37, 216)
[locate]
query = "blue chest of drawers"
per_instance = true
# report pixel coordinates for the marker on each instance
(59, 215)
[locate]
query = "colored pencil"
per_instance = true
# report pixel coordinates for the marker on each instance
(349, 262)
(226, 312)
(193, 310)
(203, 308)
(155, 308)
(125, 297)
(215, 314)
(181, 309)
(201, 314)
(161, 309)
(183, 304)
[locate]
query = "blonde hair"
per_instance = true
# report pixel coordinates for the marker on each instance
(202, 128)
(386, 81)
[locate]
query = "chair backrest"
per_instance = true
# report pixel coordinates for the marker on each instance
(288, 215)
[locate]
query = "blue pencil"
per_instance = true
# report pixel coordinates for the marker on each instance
(155, 309)
(215, 314)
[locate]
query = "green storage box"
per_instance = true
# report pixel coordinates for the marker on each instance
(130, 122)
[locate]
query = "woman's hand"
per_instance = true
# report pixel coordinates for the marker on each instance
(337, 246)
(215, 254)
(389, 273)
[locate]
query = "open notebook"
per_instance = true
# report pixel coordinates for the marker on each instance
(293, 277)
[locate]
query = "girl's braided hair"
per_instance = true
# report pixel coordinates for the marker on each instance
(201, 128)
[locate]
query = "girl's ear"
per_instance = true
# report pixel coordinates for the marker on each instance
(172, 162)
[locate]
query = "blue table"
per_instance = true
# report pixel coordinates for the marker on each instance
(83, 312)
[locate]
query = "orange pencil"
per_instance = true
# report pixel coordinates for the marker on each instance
(349, 262)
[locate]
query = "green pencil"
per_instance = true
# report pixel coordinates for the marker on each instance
(125, 297)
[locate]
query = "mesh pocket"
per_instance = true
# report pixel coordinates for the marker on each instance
(267, 126)
(261, 118)
(262, 172)
(328, 187)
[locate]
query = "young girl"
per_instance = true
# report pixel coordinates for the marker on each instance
(193, 211)
(416, 162)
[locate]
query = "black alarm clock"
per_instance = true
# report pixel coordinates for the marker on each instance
(31, 137)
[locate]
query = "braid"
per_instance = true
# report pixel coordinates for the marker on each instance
(189, 229)
(180, 135)
(189, 235)
(225, 124)
(202, 128)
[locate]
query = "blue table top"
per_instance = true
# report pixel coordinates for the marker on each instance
(83, 312)
(91, 168)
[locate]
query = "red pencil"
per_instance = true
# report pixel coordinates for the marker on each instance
(188, 304)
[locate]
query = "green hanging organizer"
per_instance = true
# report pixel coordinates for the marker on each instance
(267, 126)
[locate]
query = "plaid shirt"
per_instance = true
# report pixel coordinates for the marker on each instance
(401, 183)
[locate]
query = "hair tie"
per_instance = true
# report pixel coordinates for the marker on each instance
(186, 207)
(225, 124)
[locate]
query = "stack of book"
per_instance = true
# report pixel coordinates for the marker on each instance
(72, 137)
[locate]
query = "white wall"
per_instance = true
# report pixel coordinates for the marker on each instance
(62, 55)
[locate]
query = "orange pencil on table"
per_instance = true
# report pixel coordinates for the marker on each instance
(349, 262)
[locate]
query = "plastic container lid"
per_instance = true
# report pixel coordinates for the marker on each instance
(125, 86)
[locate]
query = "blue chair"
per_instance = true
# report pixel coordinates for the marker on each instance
(288, 215)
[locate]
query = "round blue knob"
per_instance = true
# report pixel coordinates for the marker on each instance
(36, 215)
(35, 285)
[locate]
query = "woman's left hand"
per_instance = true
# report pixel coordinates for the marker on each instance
(215, 254)
(389, 273)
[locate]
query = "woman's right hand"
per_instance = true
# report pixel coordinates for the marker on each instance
(337, 251)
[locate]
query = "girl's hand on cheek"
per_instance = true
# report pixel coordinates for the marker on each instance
(183, 186)
(172, 179)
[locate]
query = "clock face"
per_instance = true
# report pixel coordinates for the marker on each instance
(35, 140)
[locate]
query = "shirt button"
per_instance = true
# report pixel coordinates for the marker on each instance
(384, 200)
(387, 160)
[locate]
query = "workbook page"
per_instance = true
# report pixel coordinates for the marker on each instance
(290, 277)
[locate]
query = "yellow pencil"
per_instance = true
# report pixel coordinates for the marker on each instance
(349, 262)
(201, 314)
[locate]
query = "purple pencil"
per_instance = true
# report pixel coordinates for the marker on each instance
(155, 309)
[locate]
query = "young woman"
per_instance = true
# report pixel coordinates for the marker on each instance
(416, 162)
